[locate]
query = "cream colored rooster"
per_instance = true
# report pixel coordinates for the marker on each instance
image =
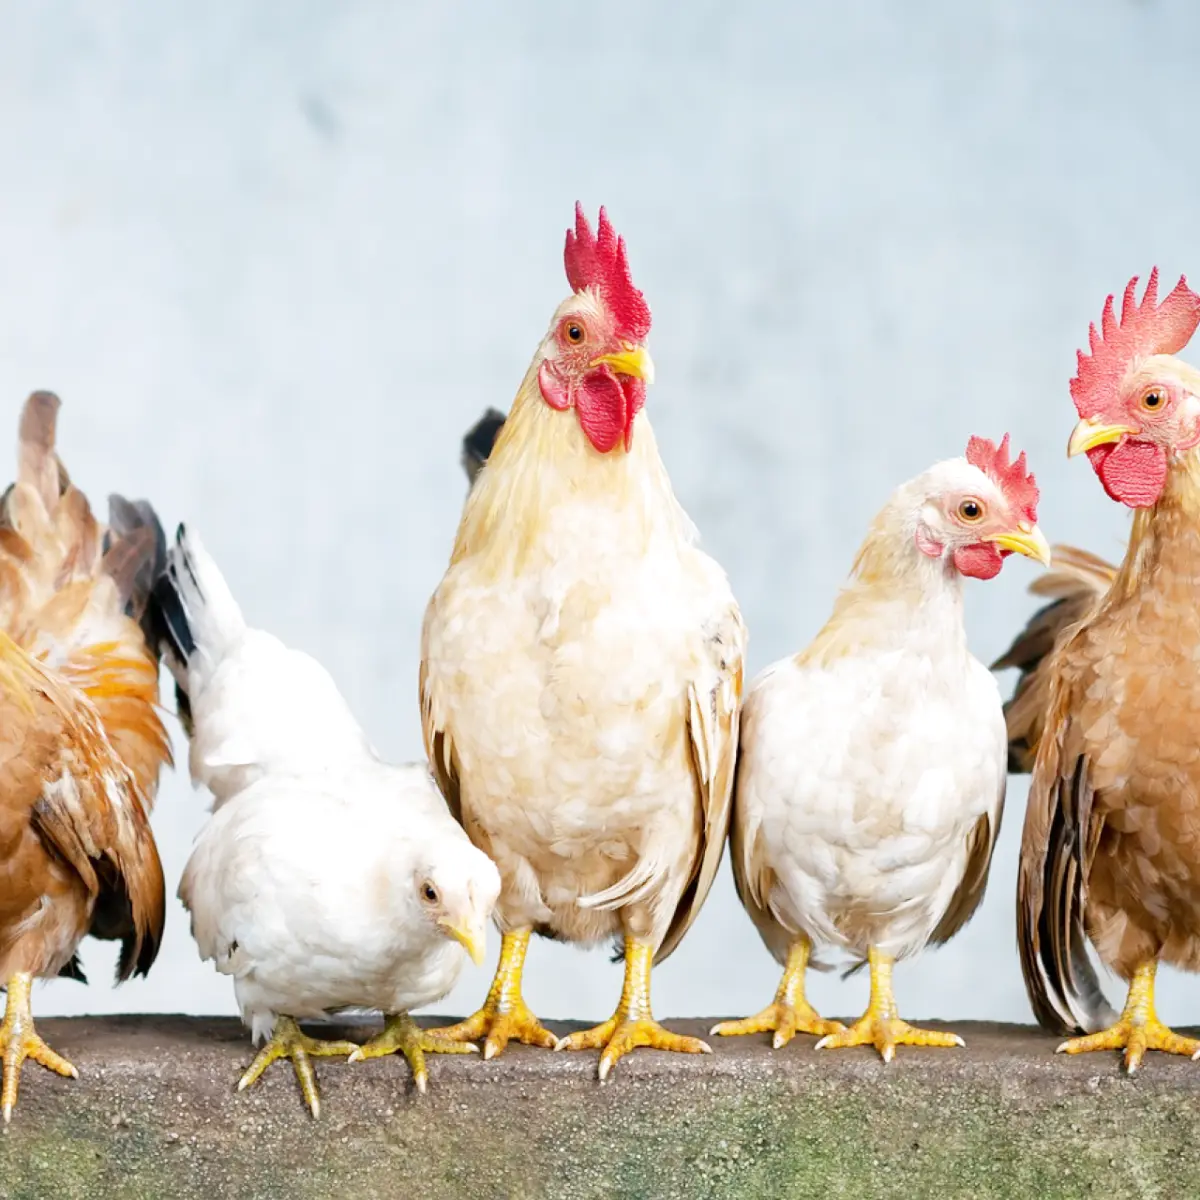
(872, 774)
(581, 668)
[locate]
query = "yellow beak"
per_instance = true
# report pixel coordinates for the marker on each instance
(1029, 541)
(472, 936)
(1090, 432)
(633, 360)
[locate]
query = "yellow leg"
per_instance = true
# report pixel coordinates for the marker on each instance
(1138, 1029)
(881, 1026)
(504, 1016)
(287, 1041)
(401, 1032)
(632, 1024)
(791, 1013)
(19, 1041)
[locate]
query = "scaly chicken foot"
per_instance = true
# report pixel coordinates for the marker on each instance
(790, 1013)
(401, 1032)
(1138, 1028)
(880, 1026)
(504, 1016)
(288, 1041)
(633, 1024)
(19, 1041)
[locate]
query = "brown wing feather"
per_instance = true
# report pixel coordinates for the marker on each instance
(1076, 583)
(713, 717)
(86, 810)
(969, 895)
(439, 750)
(1057, 845)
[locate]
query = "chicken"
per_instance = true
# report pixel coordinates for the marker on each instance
(581, 669)
(81, 741)
(872, 772)
(1111, 845)
(380, 912)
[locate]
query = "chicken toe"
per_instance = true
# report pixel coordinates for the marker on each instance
(880, 1026)
(790, 1013)
(287, 1041)
(19, 1041)
(402, 1033)
(633, 1024)
(1138, 1029)
(504, 1016)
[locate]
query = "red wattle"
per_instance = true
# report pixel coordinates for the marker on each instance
(982, 560)
(603, 410)
(1132, 472)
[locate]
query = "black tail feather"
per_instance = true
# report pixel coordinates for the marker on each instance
(479, 440)
(167, 616)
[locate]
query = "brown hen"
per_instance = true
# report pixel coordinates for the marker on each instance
(1111, 846)
(81, 740)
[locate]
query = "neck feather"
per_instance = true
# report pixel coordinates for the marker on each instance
(543, 467)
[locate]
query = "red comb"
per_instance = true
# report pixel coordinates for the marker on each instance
(1020, 489)
(598, 261)
(1144, 329)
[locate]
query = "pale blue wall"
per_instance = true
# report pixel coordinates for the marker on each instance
(277, 257)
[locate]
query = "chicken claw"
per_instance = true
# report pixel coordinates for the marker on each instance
(1137, 1030)
(287, 1041)
(402, 1033)
(504, 1016)
(19, 1041)
(632, 1025)
(790, 1013)
(880, 1026)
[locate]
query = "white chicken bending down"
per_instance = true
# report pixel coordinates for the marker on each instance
(873, 764)
(326, 878)
(581, 668)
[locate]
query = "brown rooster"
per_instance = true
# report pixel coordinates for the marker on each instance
(1111, 846)
(81, 741)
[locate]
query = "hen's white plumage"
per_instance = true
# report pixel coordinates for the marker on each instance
(868, 764)
(873, 764)
(308, 883)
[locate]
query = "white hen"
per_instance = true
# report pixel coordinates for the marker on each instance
(872, 770)
(326, 878)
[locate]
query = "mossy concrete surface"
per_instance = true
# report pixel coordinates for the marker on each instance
(154, 1115)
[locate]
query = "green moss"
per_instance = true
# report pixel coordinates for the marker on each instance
(855, 1132)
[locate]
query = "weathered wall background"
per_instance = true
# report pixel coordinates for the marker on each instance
(276, 256)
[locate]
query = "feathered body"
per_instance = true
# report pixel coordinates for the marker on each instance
(582, 658)
(83, 740)
(1111, 845)
(576, 648)
(871, 780)
(306, 884)
(872, 773)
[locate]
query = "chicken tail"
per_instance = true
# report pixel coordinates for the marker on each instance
(1064, 989)
(1075, 583)
(478, 442)
(195, 619)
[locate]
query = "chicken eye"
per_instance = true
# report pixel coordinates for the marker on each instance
(1152, 399)
(573, 332)
(429, 893)
(970, 510)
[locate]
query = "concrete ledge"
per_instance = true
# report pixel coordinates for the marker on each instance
(154, 1115)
